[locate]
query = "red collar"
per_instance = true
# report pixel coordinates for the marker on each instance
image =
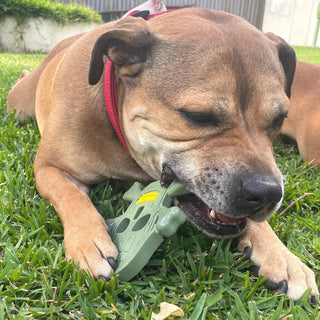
(110, 92)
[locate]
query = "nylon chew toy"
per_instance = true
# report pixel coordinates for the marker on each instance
(149, 219)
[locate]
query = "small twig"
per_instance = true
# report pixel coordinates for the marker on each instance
(293, 203)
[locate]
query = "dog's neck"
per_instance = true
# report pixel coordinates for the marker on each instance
(110, 88)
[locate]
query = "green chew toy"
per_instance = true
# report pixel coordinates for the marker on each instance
(141, 229)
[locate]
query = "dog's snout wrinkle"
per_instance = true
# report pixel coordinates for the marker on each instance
(260, 190)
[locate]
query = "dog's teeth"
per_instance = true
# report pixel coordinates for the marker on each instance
(212, 213)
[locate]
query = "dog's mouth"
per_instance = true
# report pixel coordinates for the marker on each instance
(208, 220)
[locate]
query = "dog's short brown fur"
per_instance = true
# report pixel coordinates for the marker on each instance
(201, 95)
(303, 122)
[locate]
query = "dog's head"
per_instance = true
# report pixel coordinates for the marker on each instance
(202, 94)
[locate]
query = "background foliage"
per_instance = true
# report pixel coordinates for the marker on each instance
(49, 9)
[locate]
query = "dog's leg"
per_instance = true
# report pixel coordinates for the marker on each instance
(23, 74)
(308, 139)
(86, 237)
(283, 270)
(23, 94)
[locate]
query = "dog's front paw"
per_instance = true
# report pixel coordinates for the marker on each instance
(88, 244)
(284, 271)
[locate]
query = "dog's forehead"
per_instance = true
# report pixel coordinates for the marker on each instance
(202, 42)
(176, 22)
(203, 26)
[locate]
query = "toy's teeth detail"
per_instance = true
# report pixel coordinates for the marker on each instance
(213, 214)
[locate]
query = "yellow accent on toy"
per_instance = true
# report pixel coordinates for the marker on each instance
(150, 196)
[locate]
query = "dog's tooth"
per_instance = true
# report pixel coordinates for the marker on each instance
(212, 213)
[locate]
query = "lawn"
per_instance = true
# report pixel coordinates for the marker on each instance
(206, 278)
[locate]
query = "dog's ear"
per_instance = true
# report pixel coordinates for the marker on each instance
(126, 44)
(288, 59)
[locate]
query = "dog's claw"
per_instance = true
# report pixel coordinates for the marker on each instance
(314, 300)
(103, 278)
(280, 286)
(113, 263)
(247, 252)
(271, 285)
(283, 285)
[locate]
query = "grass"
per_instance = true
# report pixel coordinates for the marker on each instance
(308, 54)
(205, 277)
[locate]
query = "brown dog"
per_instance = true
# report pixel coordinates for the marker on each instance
(201, 96)
(303, 122)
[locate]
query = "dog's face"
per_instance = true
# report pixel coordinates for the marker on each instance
(201, 100)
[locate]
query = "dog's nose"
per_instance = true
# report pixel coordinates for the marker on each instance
(259, 191)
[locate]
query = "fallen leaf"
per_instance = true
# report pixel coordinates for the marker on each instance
(167, 310)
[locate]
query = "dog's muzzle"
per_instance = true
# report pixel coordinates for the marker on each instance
(221, 210)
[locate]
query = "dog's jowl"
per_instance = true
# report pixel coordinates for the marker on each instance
(201, 95)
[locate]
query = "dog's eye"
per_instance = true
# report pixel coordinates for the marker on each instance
(199, 118)
(277, 122)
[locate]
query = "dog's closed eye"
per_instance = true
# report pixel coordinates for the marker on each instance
(200, 119)
(278, 121)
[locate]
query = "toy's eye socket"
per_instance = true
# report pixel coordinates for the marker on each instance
(200, 119)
